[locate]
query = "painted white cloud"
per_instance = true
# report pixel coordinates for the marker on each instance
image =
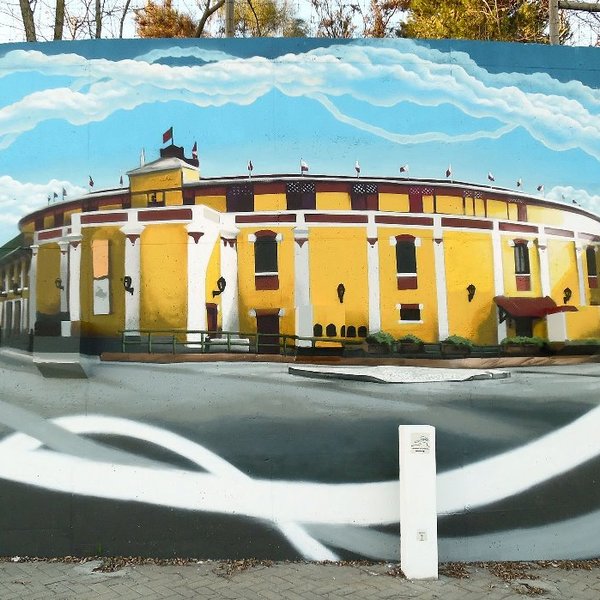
(20, 198)
(571, 195)
(559, 115)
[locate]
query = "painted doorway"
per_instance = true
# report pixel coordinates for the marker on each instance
(268, 327)
(211, 317)
(524, 326)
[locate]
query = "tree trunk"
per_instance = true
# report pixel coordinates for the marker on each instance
(28, 23)
(59, 19)
(98, 19)
(123, 16)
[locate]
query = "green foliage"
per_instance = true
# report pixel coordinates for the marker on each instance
(457, 340)
(409, 338)
(584, 342)
(502, 20)
(523, 340)
(380, 337)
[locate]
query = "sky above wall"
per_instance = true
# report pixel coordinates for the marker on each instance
(69, 111)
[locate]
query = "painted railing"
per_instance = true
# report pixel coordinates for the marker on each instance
(204, 341)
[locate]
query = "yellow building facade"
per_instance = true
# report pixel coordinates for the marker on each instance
(306, 256)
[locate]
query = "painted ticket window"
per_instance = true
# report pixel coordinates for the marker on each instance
(364, 196)
(301, 195)
(522, 266)
(406, 261)
(100, 271)
(240, 198)
(410, 313)
(592, 267)
(266, 264)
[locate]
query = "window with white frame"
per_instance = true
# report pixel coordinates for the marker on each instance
(410, 313)
(406, 261)
(266, 264)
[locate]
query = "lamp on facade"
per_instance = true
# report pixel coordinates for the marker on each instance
(471, 289)
(341, 290)
(127, 281)
(16, 290)
(59, 284)
(567, 293)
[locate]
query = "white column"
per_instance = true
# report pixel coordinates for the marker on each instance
(302, 303)
(230, 317)
(544, 266)
(418, 511)
(201, 242)
(373, 276)
(33, 286)
(132, 268)
(440, 279)
(580, 273)
(74, 277)
(498, 277)
(64, 275)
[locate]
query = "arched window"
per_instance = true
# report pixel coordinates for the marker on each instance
(343, 331)
(406, 261)
(318, 330)
(362, 331)
(266, 268)
(351, 331)
(331, 330)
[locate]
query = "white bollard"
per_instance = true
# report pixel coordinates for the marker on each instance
(418, 514)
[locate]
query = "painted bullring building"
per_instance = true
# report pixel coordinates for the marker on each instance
(331, 257)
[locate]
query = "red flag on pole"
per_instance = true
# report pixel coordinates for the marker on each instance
(168, 135)
(195, 150)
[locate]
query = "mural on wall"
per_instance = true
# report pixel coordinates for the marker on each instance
(205, 186)
(299, 188)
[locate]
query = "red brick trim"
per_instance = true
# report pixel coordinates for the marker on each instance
(466, 223)
(266, 218)
(523, 283)
(266, 282)
(103, 218)
(403, 220)
(518, 228)
(196, 235)
(50, 234)
(133, 238)
(561, 232)
(276, 187)
(172, 214)
(323, 218)
(407, 282)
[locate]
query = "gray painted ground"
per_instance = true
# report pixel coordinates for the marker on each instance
(272, 425)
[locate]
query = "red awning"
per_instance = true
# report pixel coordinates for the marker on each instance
(530, 307)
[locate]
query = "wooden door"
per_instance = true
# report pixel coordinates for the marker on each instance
(268, 327)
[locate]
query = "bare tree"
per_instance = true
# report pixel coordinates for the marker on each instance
(28, 22)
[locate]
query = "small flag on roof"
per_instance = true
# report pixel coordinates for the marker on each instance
(168, 135)
(491, 176)
(91, 182)
(449, 171)
(195, 151)
(250, 168)
(540, 188)
(404, 169)
(519, 182)
(357, 168)
(303, 166)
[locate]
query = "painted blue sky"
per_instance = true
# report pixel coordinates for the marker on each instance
(71, 110)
